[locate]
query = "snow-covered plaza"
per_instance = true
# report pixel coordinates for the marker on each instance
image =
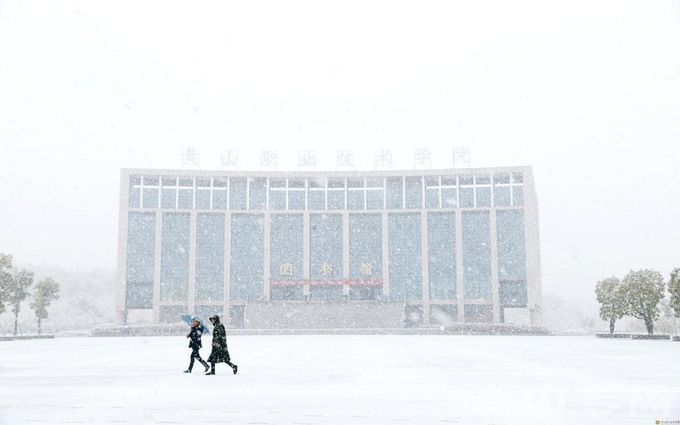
(379, 379)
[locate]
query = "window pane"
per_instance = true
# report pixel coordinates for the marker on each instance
(355, 199)
(467, 199)
(220, 182)
(395, 193)
(501, 178)
(296, 199)
(140, 259)
(150, 181)
(219, 199)
(477, 255)
(237, 193)
(441, 255)
(448, 180)
(175, 257)
(203, 182)
(277, 199)
(317, 200)
(210, 257)
(135, 196)
(150, 198)
(449, 197)
(414, 192)
(186, 182)
(169, 198)
(404, 256)
(517, 178)
(483, 196)
(286, 254)
(501, 196)
(355, 182)
(375, 182)
(137, 180)
(482, 179)
(511, 247)
(336, 199)
(326, 241)
(431, 198)
(258, 193)
(186, 199)
(518, 196)
(247, 257)
(203, 199)
(375, 200)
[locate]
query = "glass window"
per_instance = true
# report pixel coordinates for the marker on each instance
(365, 247)
(511, 246)
(375, 199)
(517, 178)
(467, 197)
(296, 199)
(150, 198)
(448, 180)
(258, 193)
(219, 199)
(135, 197)
(501, 179)
(277, 199)
(336, 199)
(513, 294)
(318, 182)
(317, 200)
(169, 181)
(336, 183)
(466, 180)
(449, 197)
(482, 179)
(477, 255)
(405, 265)
(355, 182)
(175, 257)
(286, 247)
(186, 182)
(501, 196)
(247, 257)
(185, 199)
(150, 181)
(203, 182)
(220, 182)
(431, 181)
(140, 259)
(210, 257)
(296, 183)
(518, 196)
(395, 193)
(478, 313)
(136, 180)
(277, 183)
(441, 255)
(414, 192)
(203, 199)
(432, 198)
(169, 198)
(326, 241)
(375, 182)
(355, 199)
(237, 193)
(483, 196)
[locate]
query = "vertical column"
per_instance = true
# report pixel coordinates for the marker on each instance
(425, 266)
(460, 272)
(385, 255)
(305, 252)
(122, 246)
(227, 265)
(267, 258)
(495, 289)
(191, 293)
(158, 239)
(345, 253)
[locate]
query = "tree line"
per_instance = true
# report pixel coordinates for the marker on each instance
(637, 295)
(15, 287)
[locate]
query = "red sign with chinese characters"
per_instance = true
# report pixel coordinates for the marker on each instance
(326, 282)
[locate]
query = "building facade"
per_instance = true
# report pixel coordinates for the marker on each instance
(329, 249)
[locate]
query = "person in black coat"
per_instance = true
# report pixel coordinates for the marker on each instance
(219, 353)
(195, 345)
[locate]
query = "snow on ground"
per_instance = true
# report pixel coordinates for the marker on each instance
(384, 379)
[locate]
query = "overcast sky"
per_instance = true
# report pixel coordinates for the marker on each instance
(586, 92)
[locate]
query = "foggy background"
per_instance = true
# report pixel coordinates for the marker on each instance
(587, 93)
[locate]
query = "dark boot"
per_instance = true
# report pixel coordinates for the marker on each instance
(234, 368)
(212, 369)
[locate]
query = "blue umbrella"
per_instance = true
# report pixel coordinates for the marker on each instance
(189, 318)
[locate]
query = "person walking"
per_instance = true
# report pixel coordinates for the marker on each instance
(219, 353)
(195, 345)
